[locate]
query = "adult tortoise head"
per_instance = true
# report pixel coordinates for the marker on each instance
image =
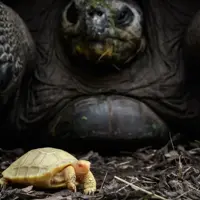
(108, 31)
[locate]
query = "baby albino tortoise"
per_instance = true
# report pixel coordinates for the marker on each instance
(50, 168)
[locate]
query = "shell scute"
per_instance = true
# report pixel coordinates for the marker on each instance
(38, 163)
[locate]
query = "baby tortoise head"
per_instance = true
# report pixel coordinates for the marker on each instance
(103, 30)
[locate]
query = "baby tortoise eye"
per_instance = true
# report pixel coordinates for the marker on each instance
(72, 13)
(124, 17)
(80, 165)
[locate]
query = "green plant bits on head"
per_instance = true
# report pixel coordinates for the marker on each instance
(105, 32)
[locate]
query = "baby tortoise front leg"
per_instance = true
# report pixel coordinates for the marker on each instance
(70, 178)
(3, 182)
(89, 183)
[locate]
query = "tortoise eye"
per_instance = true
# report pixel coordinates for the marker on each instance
(72, 13)
(80, 165)
(124, 16)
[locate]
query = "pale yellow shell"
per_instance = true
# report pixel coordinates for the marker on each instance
(38, 165)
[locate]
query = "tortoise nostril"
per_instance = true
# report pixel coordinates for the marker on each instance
(99, 13)
(95, 11)
(96, 20)
(91, 13)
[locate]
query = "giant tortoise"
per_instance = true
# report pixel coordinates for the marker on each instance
(99, 70)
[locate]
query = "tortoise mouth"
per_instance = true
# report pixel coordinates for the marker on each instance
(97, 38)
(103, 48)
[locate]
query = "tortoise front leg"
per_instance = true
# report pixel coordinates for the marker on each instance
(3, 182)
(17, 51)
(89, 183)
(70, 178)
(191, 46)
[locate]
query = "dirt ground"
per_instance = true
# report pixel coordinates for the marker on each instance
(172, 172)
